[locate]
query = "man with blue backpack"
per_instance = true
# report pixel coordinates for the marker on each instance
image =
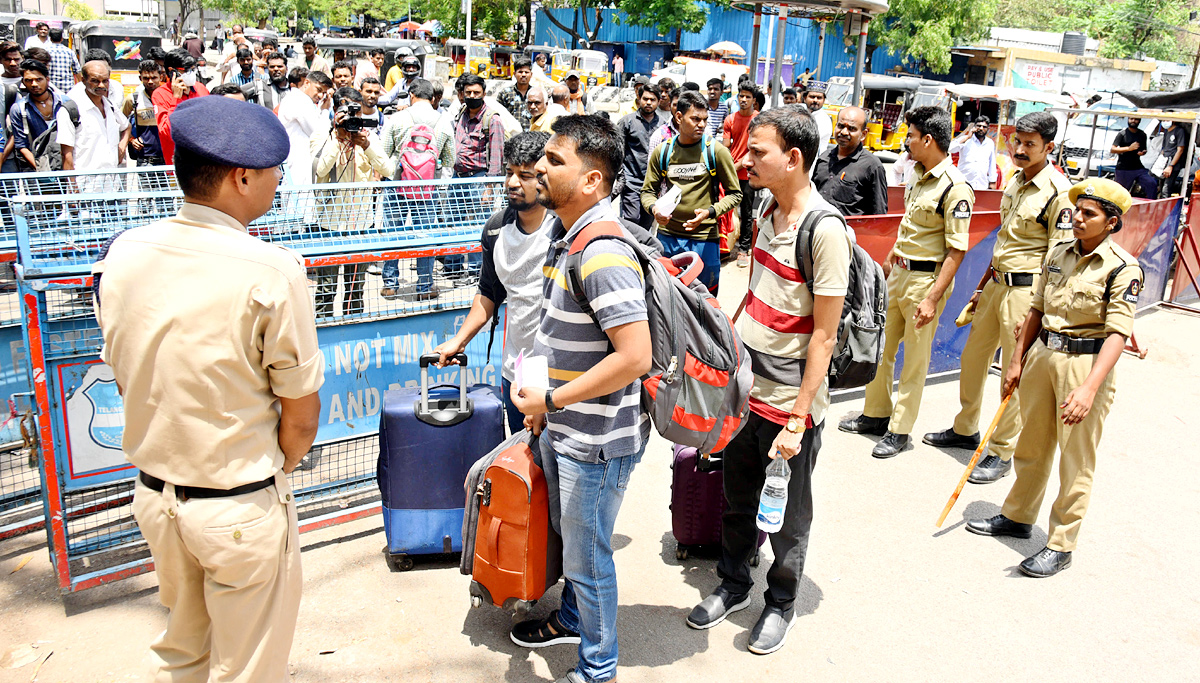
(702, 169)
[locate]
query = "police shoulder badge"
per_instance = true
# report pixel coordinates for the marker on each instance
(1064, 219)
(962, 209)
(1132, 293)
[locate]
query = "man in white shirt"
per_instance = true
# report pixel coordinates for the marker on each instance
(976, 155)
(302, 113)
(103, 133)
(814, 99)
(41, 38)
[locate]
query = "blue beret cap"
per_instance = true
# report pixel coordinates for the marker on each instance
(230, 132)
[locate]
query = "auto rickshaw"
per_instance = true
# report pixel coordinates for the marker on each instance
(502, 60)
(592, 66)
(389, 46)
(467, 56)
(127, 42)
(1003, 106)
(887, 99)
(23, 26)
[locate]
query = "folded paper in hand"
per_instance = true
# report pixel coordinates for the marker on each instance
(666, 204)
(531, 371)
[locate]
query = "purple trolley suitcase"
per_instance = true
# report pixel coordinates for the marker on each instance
(428, 439)
(697, 503)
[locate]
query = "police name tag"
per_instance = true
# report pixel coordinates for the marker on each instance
(962, 209)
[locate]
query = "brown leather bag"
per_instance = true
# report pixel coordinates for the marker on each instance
(517, 554)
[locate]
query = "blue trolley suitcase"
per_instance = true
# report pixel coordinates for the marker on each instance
(428, 439)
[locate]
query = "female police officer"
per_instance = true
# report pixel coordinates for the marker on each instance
(1082, 312)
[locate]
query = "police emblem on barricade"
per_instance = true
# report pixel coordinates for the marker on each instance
(108, 413)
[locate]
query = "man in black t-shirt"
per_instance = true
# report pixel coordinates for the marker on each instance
(1130, 147)
(1174, 145)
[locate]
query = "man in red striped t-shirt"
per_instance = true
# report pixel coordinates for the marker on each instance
(790, 334)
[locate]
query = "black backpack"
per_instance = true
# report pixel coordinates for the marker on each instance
(45, 149)
(860, 334)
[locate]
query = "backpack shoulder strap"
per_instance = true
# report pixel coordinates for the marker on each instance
(72, 110)
(804, 242)
(572, 275)
(710, 156)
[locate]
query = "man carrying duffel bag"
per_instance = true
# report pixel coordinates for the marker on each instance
(595, 429)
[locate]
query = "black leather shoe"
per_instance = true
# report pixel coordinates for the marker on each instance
(1045, 563)
(952, 439)
(990, 469)
(861, 424)
(999, 526)
(770, 633)
(716, 607)
(891, 444)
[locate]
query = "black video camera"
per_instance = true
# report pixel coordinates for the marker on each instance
(353, 122)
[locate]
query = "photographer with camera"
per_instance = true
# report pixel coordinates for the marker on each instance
(349, 153)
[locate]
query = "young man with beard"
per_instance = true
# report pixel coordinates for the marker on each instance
(181, 85)
(934, 237)
(637, 129)
(515, 241)
(976, 155)
(272, 93)
(514, 96)
(592, 425)
(1035, 215)
(246, 72)
(790, 333)
(371, 90)
(814, 99)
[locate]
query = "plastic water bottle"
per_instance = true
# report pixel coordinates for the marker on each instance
(774, 496)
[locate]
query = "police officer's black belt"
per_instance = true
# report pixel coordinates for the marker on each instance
(1061, 342)
(919, 266)
(185, 492)
(1013, 279)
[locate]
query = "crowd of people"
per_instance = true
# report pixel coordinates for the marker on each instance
(1057, 299)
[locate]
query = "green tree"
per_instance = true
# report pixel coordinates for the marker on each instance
(1129, 29)
(78, 10)
(925, 30)
(499, 19)
(256, 13)
(590, 17)
(665, 15)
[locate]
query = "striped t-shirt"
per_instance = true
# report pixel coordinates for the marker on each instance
(573, 342)
(778, 322)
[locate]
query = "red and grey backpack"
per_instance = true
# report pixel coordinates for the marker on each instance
(698, 389)
(418, 161)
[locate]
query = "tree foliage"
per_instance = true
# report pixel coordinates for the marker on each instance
(925, 30)
(499, 19)
(1127, 30)
(78, 10)
(665, 15)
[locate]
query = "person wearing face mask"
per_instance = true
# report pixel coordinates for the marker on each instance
(180, 87)
(976, 155)
(304, 113)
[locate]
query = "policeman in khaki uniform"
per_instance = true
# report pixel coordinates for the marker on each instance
(933, 238)
(1084, 301)
(1035, 215)
(211, 338)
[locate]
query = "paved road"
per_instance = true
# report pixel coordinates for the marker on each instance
(886, 595)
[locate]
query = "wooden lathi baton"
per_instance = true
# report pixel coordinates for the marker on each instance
(974, 459)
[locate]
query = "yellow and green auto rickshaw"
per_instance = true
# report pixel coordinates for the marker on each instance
(468, 56)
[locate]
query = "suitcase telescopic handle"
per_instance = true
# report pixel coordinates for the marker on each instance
(449, 415)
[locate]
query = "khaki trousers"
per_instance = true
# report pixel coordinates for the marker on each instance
(1048, 378)
(906, 291)
(229, 576)
(1000, 310)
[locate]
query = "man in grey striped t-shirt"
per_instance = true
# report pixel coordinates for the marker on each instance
(595, 430)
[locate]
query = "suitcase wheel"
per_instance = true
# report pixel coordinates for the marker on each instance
(523, 607)
(398, 563)
(476, 601)
(681, 552)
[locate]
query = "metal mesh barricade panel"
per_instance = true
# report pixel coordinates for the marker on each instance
(20, 482)
(63, 233)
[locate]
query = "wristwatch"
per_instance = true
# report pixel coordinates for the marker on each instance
(795, 423)
(550, 407)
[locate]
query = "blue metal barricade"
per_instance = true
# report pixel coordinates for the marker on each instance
(424, 237)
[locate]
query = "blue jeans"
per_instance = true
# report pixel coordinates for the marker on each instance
(462, 265)
(516, 419)
(1149, 183)
(710, 253)
(422, 211)
(587, 497)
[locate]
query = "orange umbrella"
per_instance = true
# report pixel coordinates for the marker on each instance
(409, 26)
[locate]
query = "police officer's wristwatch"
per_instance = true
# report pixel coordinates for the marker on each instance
(796, 423)
(550, 407)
